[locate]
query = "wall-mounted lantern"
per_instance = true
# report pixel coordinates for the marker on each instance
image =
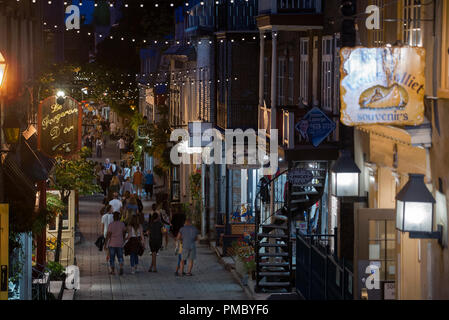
(415, 208)
(345, 176)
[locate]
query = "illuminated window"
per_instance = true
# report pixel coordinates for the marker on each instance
(304, 71)
(411, 16)
(382, 247)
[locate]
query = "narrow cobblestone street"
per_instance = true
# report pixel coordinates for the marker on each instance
(210, 280)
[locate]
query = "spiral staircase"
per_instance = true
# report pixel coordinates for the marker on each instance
(273, 243)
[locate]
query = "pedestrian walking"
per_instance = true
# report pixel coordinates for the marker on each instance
(120, 176)
(107, 164)
(135, 244)
(149, 184)
(107, 180)
(106, 219)
(127, 186)
(131, 208)
(101, 175)
(178, 252)
(188, 235)
(88, 144)
(121, 146)
(155, 233)
(115, 203)
(139, 203)
(114, 242)
(99, 147)
(115, 168)
(127, 172)
(137, 181)
(114, 186)
(113, 129)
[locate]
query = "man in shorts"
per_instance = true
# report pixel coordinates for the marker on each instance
(188, 234)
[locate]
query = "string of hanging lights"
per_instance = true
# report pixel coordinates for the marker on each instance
(157, 4)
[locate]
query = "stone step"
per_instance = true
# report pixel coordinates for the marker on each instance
(274, 273)
(274, 264)
(277, 254)
(275, 226)
(273, 284)
(269, 235)
(272, 245)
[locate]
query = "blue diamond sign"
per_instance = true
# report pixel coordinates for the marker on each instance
(315, 126)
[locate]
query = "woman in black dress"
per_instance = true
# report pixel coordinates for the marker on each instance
(155, 232)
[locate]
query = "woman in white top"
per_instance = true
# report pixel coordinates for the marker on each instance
(136, 243)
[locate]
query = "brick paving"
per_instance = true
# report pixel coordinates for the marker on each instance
(210, 280)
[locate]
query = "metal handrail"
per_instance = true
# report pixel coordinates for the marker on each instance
(72, 250)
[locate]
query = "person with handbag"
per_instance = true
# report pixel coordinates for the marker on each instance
(155, 233)
(135, 245)
(114, 242)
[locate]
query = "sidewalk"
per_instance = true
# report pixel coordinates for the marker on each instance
(210, 279)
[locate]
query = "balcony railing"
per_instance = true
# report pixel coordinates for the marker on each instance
(289, 6)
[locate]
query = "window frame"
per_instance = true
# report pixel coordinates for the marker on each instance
(281, 81)
(304, 70)
(291, 81)
(327, 73)
(412, 12)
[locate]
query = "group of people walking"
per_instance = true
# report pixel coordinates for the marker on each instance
(126, 228)
(125, 178)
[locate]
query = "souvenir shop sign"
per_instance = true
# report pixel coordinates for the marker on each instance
(315, 126)
(382, 85)
(59, 127)
(299, 177)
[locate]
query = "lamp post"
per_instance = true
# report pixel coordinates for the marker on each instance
(415, 210)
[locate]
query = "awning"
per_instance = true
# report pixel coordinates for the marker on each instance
(17, 183)
(34, 163)
(393, 147)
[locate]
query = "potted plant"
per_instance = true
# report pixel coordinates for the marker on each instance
(57, 278)
(245, 258)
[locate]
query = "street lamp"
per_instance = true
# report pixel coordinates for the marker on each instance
(11, 129)
(415, 210)
(345, 176)
(3, 66)
(60, 97)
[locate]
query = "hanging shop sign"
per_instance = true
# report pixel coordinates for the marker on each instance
(315, 126)
(382, 85)
(59, 127)
(299, 177)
